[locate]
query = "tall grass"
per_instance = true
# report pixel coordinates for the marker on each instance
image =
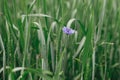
(34, 47)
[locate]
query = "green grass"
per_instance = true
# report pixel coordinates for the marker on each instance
(34, 47)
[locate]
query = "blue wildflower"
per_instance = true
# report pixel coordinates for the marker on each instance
(68, 30)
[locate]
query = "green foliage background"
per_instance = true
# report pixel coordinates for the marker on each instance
(33, 46)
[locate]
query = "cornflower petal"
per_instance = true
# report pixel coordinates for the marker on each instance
(68, 30)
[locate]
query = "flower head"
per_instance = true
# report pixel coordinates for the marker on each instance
(68, 30)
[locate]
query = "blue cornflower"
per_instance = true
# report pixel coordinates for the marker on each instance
(68, 30)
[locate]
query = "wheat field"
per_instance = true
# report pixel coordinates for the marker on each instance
(59, 39)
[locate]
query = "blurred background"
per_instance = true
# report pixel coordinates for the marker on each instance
(33, 46)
